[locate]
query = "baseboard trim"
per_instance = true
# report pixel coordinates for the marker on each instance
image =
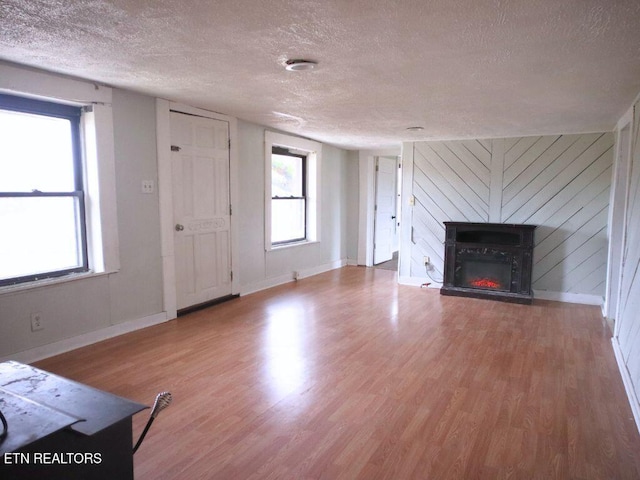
(581, 298)
(634, 402)
(565, 297)
(62, 346)
(282, 279)
(418, 282)
(68, 344)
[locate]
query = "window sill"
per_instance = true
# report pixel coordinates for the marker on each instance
(285, 246)
(47, 282)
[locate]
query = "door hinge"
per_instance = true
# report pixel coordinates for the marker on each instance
(230, 210)
(232, 275)
(175, 148)
(229, 143)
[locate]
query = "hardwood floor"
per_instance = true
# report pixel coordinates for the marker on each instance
(347, 375)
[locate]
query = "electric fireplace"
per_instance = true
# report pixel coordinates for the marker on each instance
(488, 260)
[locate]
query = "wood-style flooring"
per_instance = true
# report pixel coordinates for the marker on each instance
(347, 375)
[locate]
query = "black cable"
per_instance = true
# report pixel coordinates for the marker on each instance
(5, 427)
(426, 268)
(144, 433)
(163, 400)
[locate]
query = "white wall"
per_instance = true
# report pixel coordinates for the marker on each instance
(626, 341)
(559, 183)
(138, 214)
(107, 302)
(353, 206)
(261, 269)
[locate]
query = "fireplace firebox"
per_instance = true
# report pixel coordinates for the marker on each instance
(488, 260)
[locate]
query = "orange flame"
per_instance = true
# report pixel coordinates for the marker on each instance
(485, 283)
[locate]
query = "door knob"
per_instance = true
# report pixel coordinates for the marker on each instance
(179, 227)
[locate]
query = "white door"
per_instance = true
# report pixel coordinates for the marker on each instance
(201, 208)
(385, 209)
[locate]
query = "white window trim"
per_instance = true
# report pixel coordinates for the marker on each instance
(98, 160)
(314, 159)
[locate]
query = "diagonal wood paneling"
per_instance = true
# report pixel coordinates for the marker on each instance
(451, 182)
(561, 183)
(558, 182)
(547, 174)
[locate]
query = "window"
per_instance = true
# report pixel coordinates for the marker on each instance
(292, 186)
(288, 196)
(42, 202)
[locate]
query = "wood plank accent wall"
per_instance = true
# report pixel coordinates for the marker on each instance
(559, 182)
(450, 182)
(628, 321)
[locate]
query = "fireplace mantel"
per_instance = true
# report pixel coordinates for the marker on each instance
(488, 260)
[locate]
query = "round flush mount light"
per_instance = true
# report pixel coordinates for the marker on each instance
(415, 129)
(299, 65)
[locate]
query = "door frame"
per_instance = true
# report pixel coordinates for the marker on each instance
(165, 193)
(367, 178)
(395, 202)
(619, 195)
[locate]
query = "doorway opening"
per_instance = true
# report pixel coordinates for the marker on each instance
(386, 213)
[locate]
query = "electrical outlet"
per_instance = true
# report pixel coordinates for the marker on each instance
(147, 186)
(427, 260)
(36, 322)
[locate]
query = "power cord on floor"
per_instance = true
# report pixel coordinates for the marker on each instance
(426, 268)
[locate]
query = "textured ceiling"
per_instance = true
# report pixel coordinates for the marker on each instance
(459, 68)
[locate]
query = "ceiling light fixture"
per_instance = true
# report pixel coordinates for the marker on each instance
(299, 64)
(415, 129)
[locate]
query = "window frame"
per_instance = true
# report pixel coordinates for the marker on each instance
(98, 156)
(278, 150)
(313, 152)
(74, 115)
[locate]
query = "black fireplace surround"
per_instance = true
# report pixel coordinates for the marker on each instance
(488, 260)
